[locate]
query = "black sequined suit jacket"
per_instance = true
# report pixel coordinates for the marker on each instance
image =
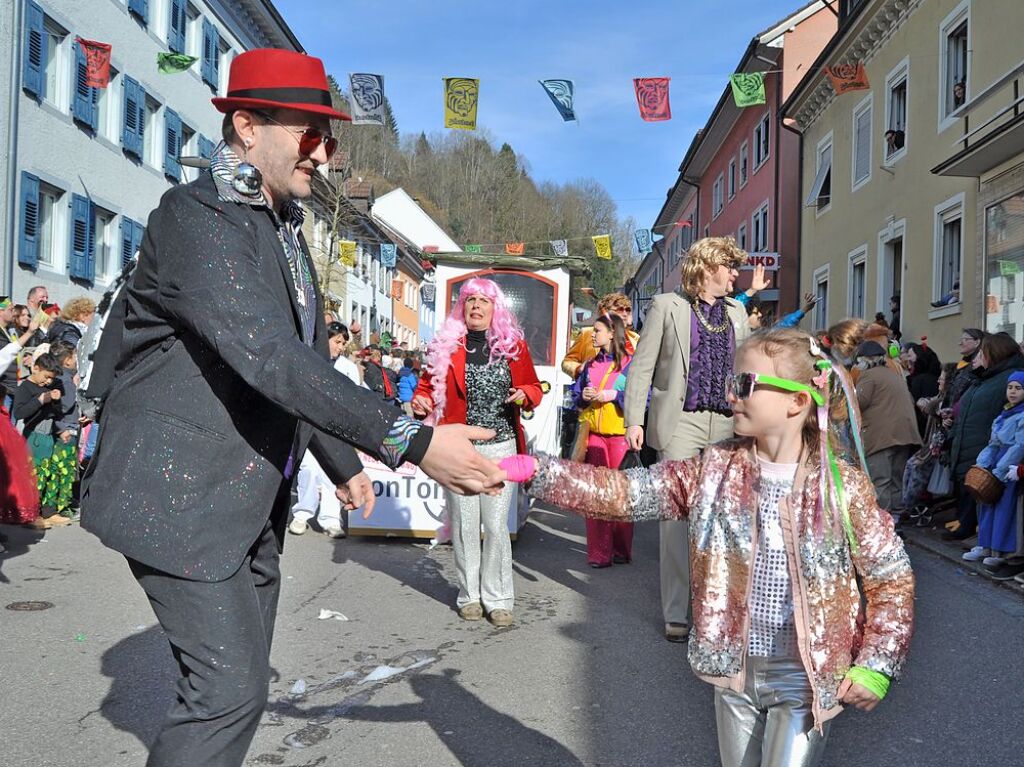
(214, 394)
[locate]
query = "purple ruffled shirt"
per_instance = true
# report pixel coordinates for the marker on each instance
(711, 358)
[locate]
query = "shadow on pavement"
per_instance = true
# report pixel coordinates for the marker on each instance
(407, 563)
(17, 539)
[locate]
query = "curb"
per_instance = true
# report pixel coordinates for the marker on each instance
(953, 553)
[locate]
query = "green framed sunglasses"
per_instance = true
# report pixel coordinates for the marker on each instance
(742, 385)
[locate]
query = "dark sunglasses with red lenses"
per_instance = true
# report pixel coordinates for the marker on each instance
(309, 139)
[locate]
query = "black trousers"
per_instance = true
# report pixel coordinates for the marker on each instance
(220, 634)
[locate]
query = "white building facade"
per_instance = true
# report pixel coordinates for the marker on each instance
(90, 164)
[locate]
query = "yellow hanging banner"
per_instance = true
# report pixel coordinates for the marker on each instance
(461, 95)
(602, 245)
(347, 252)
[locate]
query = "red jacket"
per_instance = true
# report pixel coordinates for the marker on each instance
(523, 377)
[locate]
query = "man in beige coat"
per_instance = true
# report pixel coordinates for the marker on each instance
(684, 357)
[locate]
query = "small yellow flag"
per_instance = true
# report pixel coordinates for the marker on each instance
(602, 245)
(461, 95)
(347, 252)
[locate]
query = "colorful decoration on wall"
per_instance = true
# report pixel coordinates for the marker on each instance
(848, 77)
(97, 62)
(652, 98)
(747, 88)
(173, 63)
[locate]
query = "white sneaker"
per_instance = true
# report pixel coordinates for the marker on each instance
(298, 527)
(993, 561)
(976, 554)
(334, 531)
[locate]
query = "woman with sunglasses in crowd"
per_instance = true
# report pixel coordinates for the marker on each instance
(786, 542)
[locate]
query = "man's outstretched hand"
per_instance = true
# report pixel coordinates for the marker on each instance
(452, 460)
(357, 492)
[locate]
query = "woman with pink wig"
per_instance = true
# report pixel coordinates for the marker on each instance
(479, 372)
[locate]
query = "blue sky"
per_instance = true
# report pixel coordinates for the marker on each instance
(601, 45)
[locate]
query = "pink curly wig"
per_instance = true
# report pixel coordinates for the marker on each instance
(503, 336)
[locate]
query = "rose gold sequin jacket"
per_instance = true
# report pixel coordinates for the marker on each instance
(717, 492)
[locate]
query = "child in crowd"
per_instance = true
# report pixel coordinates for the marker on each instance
(803, 596)
(997, 524)
(598, 394)
(407, 381)
(37, 404)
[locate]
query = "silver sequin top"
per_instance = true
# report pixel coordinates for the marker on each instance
(772, 632)
(487, 389)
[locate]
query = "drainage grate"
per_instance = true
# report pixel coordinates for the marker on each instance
(29, 606)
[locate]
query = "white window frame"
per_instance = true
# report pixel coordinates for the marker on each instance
(899, 73)
(718, 197)
(764, 122)
(56, 257)
(153, 138)
(106, 244)
(759, 244)
(193, 31)
(825, 144)
(108, 125)
(821, 276)
(946, 212)
(741, 236)
(867, 104)
(857, 258)
(59, 63)
(744, 164)
(896, 230)
(956, 17)
(731, 183)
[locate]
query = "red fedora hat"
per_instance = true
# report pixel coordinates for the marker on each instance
(273, 78)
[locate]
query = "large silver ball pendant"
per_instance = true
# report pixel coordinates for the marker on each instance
(247, 179)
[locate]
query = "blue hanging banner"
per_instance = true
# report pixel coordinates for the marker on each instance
(560, 92)
(388, 254)
(643, 241)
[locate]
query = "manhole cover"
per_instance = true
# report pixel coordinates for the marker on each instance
(29, 606)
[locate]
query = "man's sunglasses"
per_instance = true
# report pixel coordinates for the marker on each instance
(309, 139)
(742, 385)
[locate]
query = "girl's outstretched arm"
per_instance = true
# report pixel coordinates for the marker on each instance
(659, 492)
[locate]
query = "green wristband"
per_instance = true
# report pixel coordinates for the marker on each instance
(875, 682)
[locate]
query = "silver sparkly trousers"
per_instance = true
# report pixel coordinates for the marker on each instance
(484, 571)
(769, 724)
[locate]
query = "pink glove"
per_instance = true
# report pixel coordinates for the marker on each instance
(519, 468)
(606, 395)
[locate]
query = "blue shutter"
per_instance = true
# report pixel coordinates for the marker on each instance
(127, 240)
(140, 8)
(172, 147)
(34, 55)
(137, 231)
(81, 237)
(83, 100)
(134, 117)
(211, 47)
(176, 29)
(205, 147)
(28, 247)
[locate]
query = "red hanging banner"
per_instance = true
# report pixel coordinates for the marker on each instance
(515, 248)
(652, 98)
(97, 62)
(848, 77)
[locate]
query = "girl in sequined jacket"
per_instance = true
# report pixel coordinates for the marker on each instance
(786, 543)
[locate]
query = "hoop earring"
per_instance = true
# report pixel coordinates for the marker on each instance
(248, 179)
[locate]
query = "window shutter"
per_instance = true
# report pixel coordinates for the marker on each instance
(28, 248)
(176, 29)
(862, 142)
(90, 262)
(132, 132)
(210, 45)
(140, 8)
(172, 147)
(205, 147)
(127, 240)
(137, 231)
(35, 50)
(140, 119)
(82, 100)
(81, 237)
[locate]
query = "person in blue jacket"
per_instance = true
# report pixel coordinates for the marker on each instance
(756, 315)
(407, 380)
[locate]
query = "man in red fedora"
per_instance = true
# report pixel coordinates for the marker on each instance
(222, 383)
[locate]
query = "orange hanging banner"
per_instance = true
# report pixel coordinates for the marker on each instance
(515, 248)
(848, 77)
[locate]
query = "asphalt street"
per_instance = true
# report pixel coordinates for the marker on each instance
(583, 678)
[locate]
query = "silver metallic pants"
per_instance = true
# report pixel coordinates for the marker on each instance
(769, 724)
(486, 578)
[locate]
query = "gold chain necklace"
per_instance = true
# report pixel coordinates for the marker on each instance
(704, 320)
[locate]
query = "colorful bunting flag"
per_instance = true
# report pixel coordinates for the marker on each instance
(747, 88)
(388, 255)
(560, 248)
(515, 248)
(396, 289)
(1008, 268)
(347, 252)
(652, 98)
(560, 93)
(602, 245)
(474, 249)
(461, 96)
(431, 249)
(97, 62)
(848, 77)
(173, 63)
(643, 240)
(367, 100)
